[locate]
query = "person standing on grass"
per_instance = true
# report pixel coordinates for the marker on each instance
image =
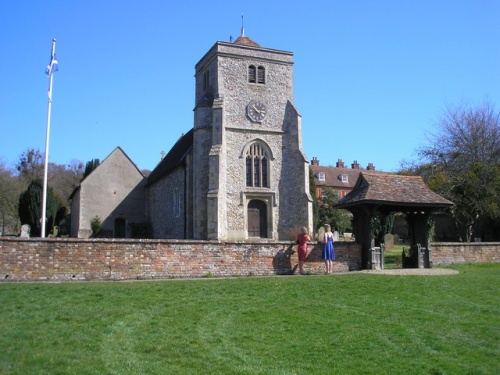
(328, 254)
(302, 240)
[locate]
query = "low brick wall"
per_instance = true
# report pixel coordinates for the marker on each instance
(64, 259)
(446, 253)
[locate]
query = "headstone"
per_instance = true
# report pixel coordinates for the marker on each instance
(321, 234)
(25, 231)
(335, 236)
(389, 241)
(347, 236)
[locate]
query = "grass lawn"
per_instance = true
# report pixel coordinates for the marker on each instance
(392, 258)
(354, 323)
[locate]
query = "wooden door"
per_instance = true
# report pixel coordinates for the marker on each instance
(257, 219)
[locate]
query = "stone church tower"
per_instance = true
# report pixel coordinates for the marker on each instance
(243, 174)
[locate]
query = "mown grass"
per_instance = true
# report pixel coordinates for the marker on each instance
(393, 257)
(355, 323)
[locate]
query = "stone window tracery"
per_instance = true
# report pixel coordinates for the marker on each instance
(257, 166)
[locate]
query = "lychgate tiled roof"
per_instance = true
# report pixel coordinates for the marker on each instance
(392, 190)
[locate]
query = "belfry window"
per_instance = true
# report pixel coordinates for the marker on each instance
(257, 74)
(261, 75)
(257, 164)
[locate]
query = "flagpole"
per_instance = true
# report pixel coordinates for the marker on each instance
(43, 219)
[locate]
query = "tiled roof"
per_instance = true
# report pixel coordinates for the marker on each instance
(333, 176)
(246, 41)
(174, 158)
(392, 189)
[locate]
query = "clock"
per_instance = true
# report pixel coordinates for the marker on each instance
(256, 111)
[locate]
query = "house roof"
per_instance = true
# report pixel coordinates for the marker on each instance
(392, 190)
(333, 176)
(174, 158)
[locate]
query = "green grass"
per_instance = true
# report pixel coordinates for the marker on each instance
(353, 323)
(392, 258)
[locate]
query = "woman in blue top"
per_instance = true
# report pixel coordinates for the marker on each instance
(328, 251)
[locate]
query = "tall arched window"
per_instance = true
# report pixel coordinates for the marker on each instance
(257, 166)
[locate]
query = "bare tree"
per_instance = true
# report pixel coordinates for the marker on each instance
(30, 165)
(462, 162)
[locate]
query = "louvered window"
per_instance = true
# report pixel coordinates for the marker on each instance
(257, 166)
(251, 74)
(261, 75)
(257, 75)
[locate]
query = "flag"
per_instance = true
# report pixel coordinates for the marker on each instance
(53, 66)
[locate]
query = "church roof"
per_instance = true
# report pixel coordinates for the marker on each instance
(246, 41)
(174, 158)
(392, 190)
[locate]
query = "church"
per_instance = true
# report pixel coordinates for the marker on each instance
(239, 173)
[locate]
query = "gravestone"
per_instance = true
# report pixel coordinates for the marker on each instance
(388, 241)
(25, 231)
(335, 236)
(321, 234)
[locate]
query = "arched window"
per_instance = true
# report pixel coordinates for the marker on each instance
(257, 166)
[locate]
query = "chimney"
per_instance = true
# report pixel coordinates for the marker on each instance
(315, 161)
(355, 164)
(340, 164)
(370, 167)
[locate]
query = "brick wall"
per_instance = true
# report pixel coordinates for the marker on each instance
(446, 253)
(64, 259)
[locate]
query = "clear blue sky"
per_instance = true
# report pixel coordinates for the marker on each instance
(371, 77)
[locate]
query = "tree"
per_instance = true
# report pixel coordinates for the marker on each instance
(30, 165)
(338, 219)
(90, 166)
(312, 191)
(9, 195)
(64, 178)
(462, 163)
(30, 207)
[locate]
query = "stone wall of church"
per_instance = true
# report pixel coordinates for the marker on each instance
(167, 205)
(114, 190)
(223, 130)
(67, 259)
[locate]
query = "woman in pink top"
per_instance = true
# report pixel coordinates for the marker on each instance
(302, 240)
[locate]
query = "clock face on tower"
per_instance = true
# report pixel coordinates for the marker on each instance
(256, 111)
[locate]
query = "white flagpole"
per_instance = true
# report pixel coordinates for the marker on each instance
(43, 219)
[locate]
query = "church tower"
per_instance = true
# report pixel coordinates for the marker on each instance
(250, 176)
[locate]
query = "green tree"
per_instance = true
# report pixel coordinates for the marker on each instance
(312, 191)
(30, 207)
(338, 219)
(461, 162)
(90, 166)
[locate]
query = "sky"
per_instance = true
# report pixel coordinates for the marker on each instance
(371, 78)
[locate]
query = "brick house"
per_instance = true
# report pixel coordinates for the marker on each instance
(340, 178)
